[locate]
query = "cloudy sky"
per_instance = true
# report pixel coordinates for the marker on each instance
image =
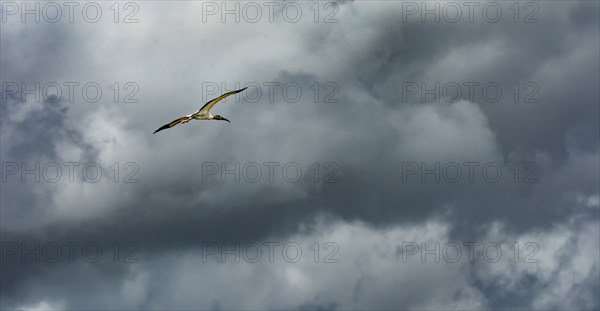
(386, 155)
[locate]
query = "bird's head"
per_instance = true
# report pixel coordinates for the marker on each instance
(219, 117)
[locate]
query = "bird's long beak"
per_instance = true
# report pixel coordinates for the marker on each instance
(225, 119)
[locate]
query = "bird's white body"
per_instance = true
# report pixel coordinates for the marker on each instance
(202, 115)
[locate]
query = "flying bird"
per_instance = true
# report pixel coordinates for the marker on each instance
(202, 114)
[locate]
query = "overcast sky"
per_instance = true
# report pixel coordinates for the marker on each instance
(447, 160)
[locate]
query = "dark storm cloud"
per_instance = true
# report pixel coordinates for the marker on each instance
(369, 134)
(430, 52)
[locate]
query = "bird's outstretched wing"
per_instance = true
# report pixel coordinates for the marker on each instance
(173, 123)
(211, 103)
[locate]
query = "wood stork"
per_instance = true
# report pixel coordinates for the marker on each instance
(202, 114)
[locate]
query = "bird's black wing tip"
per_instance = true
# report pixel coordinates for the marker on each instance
(166, 126)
